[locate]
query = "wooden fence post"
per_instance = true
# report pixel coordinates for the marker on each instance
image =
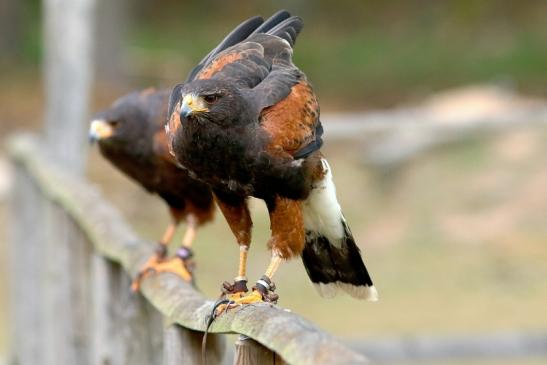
(250, 352)
(103, 328)
(26, 262)
(183, 346)
(66, 293)
(126, 329)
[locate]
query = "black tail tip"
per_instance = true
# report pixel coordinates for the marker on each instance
(338, 267)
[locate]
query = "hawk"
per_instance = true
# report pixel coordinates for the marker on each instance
(131, 135)
(246, 122)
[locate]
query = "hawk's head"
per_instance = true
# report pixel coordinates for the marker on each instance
(216, 101)
(126, 122)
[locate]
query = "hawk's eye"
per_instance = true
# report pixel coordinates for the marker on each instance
(211, 98)
(113, 123)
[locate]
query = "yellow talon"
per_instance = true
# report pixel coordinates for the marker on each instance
(174, 265)
(239, 299)
(252, 297)
(235, 296)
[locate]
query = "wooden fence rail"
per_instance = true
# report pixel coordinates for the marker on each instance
(70, 290)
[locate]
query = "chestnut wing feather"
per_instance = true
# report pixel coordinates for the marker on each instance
(243, 64)
(289, 111)
(262, 67)
(293, 123)
(241, 32)
(285, 103)
(281, 24)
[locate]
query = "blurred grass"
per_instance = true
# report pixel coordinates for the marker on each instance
(357, 53)
(369, 70)
(366, 53)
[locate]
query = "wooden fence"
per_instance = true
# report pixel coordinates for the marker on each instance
(71, 302)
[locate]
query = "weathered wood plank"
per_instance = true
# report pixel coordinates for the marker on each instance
(250, 352)
(183, 346)
(301, 342)
(125, 330)
(140, 327)
(26, 263)
(103, 324)
(65, 303)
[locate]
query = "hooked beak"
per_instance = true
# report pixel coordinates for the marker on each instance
(192, 104)
(99, 129)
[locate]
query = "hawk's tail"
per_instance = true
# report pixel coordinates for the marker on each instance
(331, 256)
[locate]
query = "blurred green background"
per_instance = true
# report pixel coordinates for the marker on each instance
(455, 238)
(357, 53)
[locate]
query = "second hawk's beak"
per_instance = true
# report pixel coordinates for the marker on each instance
(99, 129)
(192, 104)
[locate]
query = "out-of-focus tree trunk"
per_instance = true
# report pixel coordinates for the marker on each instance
(68, 56)
(68, 68)
(10, 28)
(113, 19)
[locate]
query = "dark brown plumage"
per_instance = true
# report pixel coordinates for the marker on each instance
(132, 137)
(138, 147)
(255, 117)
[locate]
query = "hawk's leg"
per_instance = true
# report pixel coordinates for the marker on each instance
(159, 255)
(184, 252)
(263, 291)
(287, 225)
(286, 222)
(236, 212)
(238, 288)
(182, 264)
(265, 286)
